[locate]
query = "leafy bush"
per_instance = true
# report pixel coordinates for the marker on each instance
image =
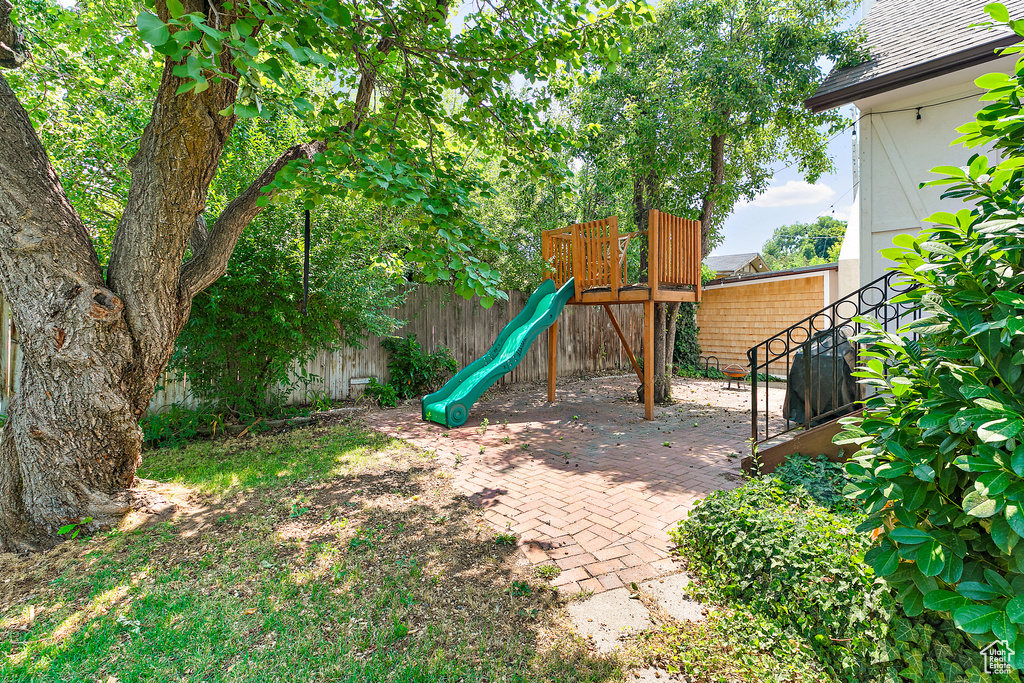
(699, 372)
(384, 394)
(248, 331)
(768, 548)
(730, 645)
(178, 424)
(818, 478)
(687, 349)
(413, 372)
(942, 459)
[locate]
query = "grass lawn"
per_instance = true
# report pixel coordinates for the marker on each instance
(325, 554)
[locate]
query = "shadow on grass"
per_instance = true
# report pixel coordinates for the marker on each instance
(385, 574)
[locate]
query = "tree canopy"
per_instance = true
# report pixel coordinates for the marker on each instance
(708, 100)
(804, 244)
(698, 113)
(114, 212)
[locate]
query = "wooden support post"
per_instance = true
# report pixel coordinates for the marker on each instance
(552, 360)
(613, 254)
(649, 359)
(578, 271)
(653, 255)
(545, 253)
(698, 254)
(625, 344)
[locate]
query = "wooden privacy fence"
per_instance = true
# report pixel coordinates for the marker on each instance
(438, 317)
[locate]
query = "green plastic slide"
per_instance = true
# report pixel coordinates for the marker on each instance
(450, 406)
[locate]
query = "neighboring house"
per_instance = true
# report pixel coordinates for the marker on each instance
(732, 265)
(915, 90)
(737, 313)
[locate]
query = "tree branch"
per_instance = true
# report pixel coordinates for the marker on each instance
(707, 210)
(176, 160)
(210, 261)
(46, 255)
(13, 50)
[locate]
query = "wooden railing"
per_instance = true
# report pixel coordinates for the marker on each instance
(674, 251)
(595, 253)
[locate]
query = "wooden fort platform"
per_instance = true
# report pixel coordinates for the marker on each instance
(597, 256)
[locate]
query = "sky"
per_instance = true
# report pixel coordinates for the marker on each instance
(790, 199)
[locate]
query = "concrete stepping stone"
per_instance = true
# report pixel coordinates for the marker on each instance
(670, 594)
(607, 617)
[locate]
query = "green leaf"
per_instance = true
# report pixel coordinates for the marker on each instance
(1017, 460)
(979, 506)
(152, 30)
(175, 8)
(1015, 517)
(944, 601)
(998, 12)
(1015, 609)
(246, 111)
(953, 571)
(1004, 628)
(976, 590)
(913, 602)
(885, 563)
(931, 558)
(1000, 430)
(909, 535)
(1011, 298)
(993, 80)
(976, 618)
(1002, 535)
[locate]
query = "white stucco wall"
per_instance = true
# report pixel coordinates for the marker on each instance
(896, 152)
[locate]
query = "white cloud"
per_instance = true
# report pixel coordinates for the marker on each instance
(793, 193)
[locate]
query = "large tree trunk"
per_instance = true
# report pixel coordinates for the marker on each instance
(645, 197)
(672, 316)
(72, 441)
(707, 209)
(93, 349)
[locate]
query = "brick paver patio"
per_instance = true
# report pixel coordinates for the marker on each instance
(585, 482)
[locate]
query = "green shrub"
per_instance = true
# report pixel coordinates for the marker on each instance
(248, 330)
(413, 372)
(699, 372)
(178, 424)
(384, 394)
(942, 459)
(687, 349)
(818, 478)
(771, 550)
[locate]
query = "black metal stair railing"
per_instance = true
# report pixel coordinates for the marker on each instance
(812, 348)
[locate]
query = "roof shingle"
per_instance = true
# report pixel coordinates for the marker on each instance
(909, 40)
(729, 262)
